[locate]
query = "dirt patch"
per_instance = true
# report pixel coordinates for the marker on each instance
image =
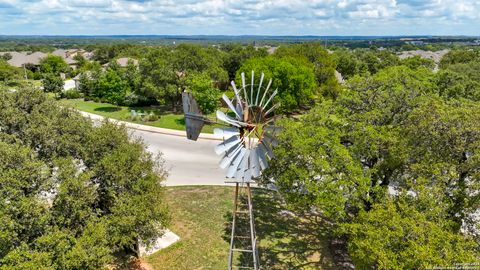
(138, 264)
(132, 263)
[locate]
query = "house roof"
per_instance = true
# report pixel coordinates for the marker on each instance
(88, 73)
(21, 58)
(123, 62)
(60, 52)
(339, 77)
(435, 56)
(67, 55)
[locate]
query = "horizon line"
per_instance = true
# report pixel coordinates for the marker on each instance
(223, 35)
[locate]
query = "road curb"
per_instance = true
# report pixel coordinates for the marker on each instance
(164, 131)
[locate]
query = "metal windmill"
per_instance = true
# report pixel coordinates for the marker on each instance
(246, 148)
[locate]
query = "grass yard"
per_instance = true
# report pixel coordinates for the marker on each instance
(166, 119)
(201, 216)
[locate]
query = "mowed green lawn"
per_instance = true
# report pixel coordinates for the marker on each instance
(167, 119)
(201, 216)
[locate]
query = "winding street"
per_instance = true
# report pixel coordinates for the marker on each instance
(187, 162)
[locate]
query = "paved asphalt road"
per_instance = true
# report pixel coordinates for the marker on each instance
(188, 162)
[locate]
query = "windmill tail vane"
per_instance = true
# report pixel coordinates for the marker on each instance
(194, 119)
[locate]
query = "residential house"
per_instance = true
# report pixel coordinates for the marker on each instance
(67, 55)
(21, 59)
(76, 79)
(123, 62)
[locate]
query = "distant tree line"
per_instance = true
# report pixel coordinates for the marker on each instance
(304, 73)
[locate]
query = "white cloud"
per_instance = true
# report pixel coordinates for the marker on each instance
(292, 17)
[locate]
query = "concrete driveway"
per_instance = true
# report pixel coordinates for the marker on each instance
(68, 84)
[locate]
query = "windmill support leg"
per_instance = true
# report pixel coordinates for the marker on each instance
(232, 236)
(236, 244)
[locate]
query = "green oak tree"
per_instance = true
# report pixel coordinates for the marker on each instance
(9, 73)
(293, 77)
(323, 62)
(52, 83)
(111, 87)
(416, 61)
(459, 56)
(73, 194)
(237, 55)
(53, 64)
(206, 94)
(164, 71)
(388, 138)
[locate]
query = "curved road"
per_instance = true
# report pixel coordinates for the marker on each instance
(188, 162)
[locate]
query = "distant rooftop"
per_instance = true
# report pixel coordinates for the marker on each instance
(123, 62)
(22, 58)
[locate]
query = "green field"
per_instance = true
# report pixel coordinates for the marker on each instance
(167, 119)
(201, 216)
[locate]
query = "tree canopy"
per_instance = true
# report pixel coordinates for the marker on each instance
(52, 83)
(72, 194)
(206, 94)
(390, 160)
(53, 64)
(8, 73)
(293, 77)
(459, 57)
(323, 62)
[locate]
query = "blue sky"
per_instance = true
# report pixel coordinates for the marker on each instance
(240, 17)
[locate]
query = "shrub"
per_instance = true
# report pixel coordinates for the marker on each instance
(134, 117)
(52, 83)
(35, 75)
(71, 94)
(151, 117)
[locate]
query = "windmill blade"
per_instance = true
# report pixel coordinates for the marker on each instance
(254, 163)
(245, 161)
(230, 105)
(242, 168)
(225, 133)
(227, 144)
(262, 154)
(270, 139)
(270, 99)
(251, 88)
(268, 148)
(265, 93)
(229, 156)
(272, 129)
(244, 88)
(237, 96)
(259, 88)
(247, 177)
(276, 105)
(236, 162)
(225, 118)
